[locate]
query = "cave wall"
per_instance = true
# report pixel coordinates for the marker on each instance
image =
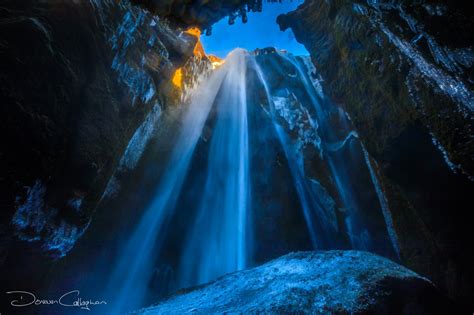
(403, 72)
(77, 80)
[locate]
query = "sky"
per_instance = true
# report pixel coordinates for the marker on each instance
(260, 31)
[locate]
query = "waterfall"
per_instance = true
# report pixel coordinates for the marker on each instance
(132, 270)
(217, 243)
(383, 203)
(216, 218)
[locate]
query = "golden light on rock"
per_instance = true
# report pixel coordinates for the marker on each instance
(178, 78)
(198, 49)
(194, 31)
(199, 52)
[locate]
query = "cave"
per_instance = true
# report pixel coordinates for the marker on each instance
(236, 156)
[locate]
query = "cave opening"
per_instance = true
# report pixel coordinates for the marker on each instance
(259, 31)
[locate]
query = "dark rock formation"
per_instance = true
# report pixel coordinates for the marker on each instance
(333, 282)
(200, 13)
(77, 80)
(328, 164)
(403, 72)
(400, 62)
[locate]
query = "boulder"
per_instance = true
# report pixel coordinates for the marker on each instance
(321, 282)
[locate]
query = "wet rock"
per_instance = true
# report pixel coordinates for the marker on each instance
(77, 80)
(332, 282)
(400, 63)
(405, 79)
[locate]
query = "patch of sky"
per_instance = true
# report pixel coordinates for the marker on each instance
(260, 31)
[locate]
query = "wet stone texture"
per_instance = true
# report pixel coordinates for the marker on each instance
(77, 80)
(332, 282)
(403, 72)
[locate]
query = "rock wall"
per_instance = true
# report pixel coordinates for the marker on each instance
(403, 72)
(77, 80)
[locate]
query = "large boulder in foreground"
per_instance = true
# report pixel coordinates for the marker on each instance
(331, 282)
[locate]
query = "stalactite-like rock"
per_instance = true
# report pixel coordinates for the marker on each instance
(201, 14)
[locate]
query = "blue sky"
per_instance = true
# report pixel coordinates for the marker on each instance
(260, 31)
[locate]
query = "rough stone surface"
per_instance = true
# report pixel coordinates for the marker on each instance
(403, 72)
(402, 66)
(77, 80)
(332, 282)
(200, 13)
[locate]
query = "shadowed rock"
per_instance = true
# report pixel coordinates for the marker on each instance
(200, 13)
(403, 72)
(77, 80)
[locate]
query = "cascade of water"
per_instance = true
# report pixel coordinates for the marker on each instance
(132, 271)
(219, 237)
(217, 242)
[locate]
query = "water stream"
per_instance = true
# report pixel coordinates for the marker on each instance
(132, 271)
(218, 241)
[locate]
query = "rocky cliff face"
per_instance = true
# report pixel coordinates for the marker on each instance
(77, 80)
(333, 282)
(311, 144)
(403, 72)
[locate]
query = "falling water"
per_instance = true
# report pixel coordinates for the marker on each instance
(217, 243)
(217, 240)
(383, 203)
(309, 202)
(132, 271)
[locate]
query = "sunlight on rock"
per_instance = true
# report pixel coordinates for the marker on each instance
(178, 78)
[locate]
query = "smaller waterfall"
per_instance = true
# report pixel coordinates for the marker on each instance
(218, 242)
(132, 271)
(383, 203)
(358, 234)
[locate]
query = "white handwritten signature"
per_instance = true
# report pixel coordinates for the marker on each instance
(69, 299)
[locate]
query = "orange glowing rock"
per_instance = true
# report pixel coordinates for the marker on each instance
(178, 78)
(194, 31)
(198, 49)
(198, 52)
